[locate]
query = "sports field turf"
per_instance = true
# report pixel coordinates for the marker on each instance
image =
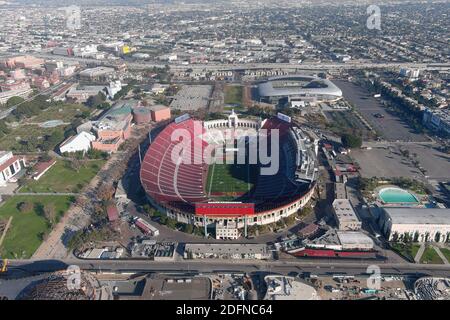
(231, 178)
(233, 95)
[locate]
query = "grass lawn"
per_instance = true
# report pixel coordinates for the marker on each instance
(28, 228)
(233, 95)
(407, 250)
(430, 256)
(231, 178)
(64, 112)
(344, 120)
(62, 178)
(14, 140)
(446, 253)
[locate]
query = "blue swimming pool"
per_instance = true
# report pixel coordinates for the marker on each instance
(397, 195)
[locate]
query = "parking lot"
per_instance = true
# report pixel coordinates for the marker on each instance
(388, 162)
(434, 161)
(384, 162)
(389, 126)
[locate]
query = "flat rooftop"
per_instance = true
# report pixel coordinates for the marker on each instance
(354, 238)
(226, 248)
(418, 215)
(158, 107)
(344, 210)
(288, 288)
(164, 288)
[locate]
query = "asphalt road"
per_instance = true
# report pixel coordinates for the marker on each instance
(318, 267)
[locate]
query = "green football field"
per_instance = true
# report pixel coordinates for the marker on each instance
(231, 178)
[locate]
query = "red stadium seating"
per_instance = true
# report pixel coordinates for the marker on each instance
(168, 182)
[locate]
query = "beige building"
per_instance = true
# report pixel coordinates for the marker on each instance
(345, 215)
(226, 230)
(420, 224)
(340, 191)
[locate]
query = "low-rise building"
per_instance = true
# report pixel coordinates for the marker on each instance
(160, 113)
(419, 224)
(79, 142)
(142, 115)
(113, 213)
(288, 288)
(146, 227)
(113, 129)
(227, 230)
(98, 73)
(82, 94)
(437, 120)
(345, 215)
(12, 85)
(340, 191)
(10, 166)
(226, 251)
(26, 62)
(42, 167)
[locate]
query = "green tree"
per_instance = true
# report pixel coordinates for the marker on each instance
(188, 228)
(52, 140)
(95, 101)
(351, 140)
(50, 213)
(14, 101)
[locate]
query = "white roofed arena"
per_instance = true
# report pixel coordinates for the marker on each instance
(299, 88)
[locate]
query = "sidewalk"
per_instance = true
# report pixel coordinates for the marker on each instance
(419, 253)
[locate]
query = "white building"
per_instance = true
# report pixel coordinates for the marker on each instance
(345, 215)
(113, 88)
(80, 142)
(82, 94)
(10, 165)
(354, 240)
(421, 224)
(410, 73)
(437, 120)
(87, 51)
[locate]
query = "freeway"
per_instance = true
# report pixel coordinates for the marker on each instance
(355, 64)
(318, 267)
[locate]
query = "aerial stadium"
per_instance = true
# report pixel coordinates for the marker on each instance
(298, 88)
(230, 190)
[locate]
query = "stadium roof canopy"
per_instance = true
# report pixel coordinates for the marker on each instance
(292, 85)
